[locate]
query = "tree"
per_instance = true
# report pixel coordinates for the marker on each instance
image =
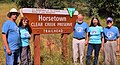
(25, 3)
(101, 8)
(106, 7)
(51, 4)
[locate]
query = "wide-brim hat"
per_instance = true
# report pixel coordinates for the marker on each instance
(13, 10)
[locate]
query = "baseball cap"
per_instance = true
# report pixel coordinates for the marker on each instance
(109, 19)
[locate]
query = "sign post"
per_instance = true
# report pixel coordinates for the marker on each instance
(37, 49)
(65, 46)
(50, 21)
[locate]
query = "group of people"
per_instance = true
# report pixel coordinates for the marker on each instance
(97, 38)
(16, 39)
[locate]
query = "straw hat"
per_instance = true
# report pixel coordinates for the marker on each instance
(13, 10)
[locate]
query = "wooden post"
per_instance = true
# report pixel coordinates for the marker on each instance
(37, 50)
(65, 46)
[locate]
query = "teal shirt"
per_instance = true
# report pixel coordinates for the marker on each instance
(24, 36)
(95, 34)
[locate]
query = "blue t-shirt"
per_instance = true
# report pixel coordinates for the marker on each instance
(12, 32)
(111, 33)
(95, 34)
(24, 36)
(80, 29)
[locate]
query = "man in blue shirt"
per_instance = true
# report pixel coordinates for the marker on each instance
(111, 35)
(11, 39)
(79, 37)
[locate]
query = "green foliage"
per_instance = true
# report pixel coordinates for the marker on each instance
(110, 8)
(106, 7)
(8, 1)
(54, 58)
(117, 22)
(88, 7)
(53, 4)
(25, 3)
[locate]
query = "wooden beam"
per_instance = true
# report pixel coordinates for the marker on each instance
(65, 46)
(37, 50)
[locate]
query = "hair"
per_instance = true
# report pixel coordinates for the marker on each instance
(95, 17)
(80, 15)
(27, 26)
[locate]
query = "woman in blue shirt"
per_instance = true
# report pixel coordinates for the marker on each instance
(25, 32)
(94, 33)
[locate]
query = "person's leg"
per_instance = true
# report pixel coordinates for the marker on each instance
(18, 62)
(113, 51)
(16, 55)
(82, 49)
(12, 58)
(89, 53)
(23, 56)
(9, 58)
(96, 53)
(107, 49)
(75, 50)
(29, 55)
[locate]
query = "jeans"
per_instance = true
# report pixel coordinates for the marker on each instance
(96, 48)
(13, 58)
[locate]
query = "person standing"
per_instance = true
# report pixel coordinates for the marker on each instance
(11, 38)
(25, 34)
(79, 39)
(95, 36)
(111, 35)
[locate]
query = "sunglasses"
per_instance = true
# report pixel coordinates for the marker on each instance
(15, 14)
(109, 21)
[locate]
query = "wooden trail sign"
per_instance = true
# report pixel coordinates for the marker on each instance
(49, 21)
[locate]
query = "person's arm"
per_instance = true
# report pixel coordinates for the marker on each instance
(118, 40)
(102, 44)
(5, 29)
(5, 43)
(103, 39)
(87, 35)
(118, 44)
(86, 42)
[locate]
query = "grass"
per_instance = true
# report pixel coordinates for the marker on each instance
(48, 57)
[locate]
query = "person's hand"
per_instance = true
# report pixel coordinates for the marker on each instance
(101, 49)
(118, 48)
(8, 51)
(86, 43)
